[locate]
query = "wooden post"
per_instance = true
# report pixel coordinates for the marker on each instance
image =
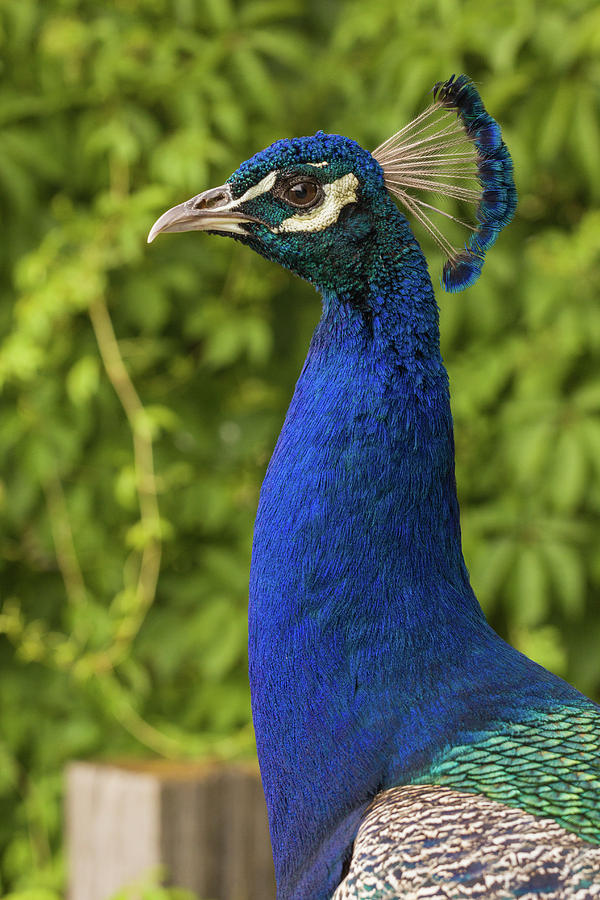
(206, 824)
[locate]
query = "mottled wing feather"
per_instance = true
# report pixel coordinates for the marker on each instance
(427, 841)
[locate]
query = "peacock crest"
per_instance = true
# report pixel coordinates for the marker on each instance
(454, 149)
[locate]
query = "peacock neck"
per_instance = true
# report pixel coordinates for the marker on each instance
(360, 602)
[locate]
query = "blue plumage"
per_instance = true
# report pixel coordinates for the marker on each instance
(371, 663)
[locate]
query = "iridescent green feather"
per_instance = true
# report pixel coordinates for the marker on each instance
(549, 766)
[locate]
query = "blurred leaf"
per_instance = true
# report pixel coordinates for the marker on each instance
(567, 572)
(83, 379)
(569, 473)
(529, 595)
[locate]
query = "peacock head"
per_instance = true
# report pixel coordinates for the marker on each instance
(319, 205)
(310, 204)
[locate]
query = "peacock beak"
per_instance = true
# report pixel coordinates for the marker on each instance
(213, 210)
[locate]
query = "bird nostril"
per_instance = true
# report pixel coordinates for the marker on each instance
(211, 201)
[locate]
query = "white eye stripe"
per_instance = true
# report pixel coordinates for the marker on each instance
(261, 188)
(337, 193)
(319, 165)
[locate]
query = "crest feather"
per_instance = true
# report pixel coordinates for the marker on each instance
(453, 148)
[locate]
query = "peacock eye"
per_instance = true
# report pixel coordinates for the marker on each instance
(302, 194)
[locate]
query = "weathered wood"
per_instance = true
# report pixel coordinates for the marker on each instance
(206, 824)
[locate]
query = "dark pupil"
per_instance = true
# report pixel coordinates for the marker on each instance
(303, 193)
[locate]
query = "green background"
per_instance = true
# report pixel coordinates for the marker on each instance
(143, 387)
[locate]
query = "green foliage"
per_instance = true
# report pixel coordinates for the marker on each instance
(147, 888)
(151, 888)
(143, 388)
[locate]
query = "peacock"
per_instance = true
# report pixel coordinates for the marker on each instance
(406, 750)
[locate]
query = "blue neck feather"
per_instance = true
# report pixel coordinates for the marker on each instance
(368, 649)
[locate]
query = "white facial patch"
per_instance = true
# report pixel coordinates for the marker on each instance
(255, 191)
(261, 188)
(337, 195)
